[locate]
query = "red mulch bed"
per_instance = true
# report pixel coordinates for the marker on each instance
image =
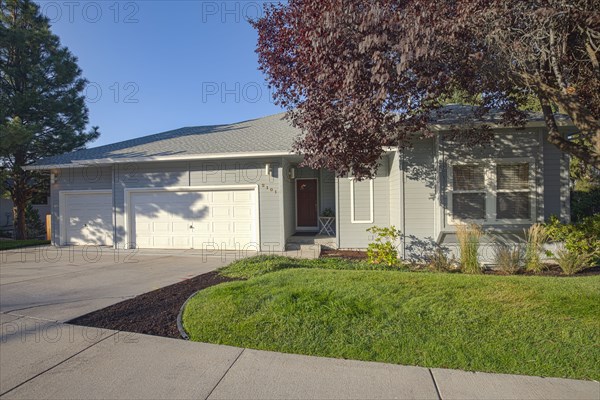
(346, 254)
(152, 313)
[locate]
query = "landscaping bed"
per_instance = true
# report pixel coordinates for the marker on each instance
(532, 325)
(152, 313)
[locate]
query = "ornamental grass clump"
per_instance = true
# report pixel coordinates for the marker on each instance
(468, 241)
(536, 236)
(509, 259)
(572, 262)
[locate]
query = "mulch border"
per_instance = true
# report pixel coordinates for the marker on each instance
(152, 313)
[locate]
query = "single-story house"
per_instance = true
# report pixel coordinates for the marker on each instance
(239, 186)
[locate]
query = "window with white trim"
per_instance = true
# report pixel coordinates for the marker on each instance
(498, 191)
(361, 201)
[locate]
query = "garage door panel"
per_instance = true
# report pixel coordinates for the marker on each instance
(243, 196)
(160, 241)
(241, 227)
(161, 227)
(223, 227)
(201, 227)
(183, 242)
(221, 197)
(242, 212)
(221, 211)
(194, 219)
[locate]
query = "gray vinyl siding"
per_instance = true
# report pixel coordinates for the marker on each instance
(327, 190)
(208, 173)
(354, 235)
(419, 180)
(552, 180)
(88, 178)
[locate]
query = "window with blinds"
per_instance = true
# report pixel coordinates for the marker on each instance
(468, 196)
(491, 191)
(512, 192)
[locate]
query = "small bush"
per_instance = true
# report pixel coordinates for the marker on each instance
(383, 250)
(468, 241)
(440, 262)
(509, 259)
(581, 238)
(572, 262)
(536, 236)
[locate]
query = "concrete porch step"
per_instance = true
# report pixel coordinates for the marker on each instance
(328, 241)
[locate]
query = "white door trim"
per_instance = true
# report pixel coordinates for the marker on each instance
(127, 214)
(62, 201)
(306, 228)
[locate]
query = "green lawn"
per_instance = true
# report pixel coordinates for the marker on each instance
(15, 244)
(515, 324)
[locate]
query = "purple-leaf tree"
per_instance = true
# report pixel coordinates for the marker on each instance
(359, 75)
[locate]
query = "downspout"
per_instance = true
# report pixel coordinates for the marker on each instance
(337, 212)
(114, 208)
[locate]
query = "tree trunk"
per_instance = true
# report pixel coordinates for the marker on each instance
(21, 194)
(20, 222)
(556, 138)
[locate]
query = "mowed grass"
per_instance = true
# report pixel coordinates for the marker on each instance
(16, 244)
(515, 324)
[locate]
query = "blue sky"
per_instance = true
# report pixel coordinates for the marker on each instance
(160, 65)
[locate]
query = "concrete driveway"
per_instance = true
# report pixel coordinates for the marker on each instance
(59, 284)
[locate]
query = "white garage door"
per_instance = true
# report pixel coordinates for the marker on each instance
(194, 219)
(88, 218)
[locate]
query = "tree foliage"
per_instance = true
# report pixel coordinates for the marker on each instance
(42, 108)
(356, 75)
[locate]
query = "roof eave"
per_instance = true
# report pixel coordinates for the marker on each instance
(191, 157)
(529, 124)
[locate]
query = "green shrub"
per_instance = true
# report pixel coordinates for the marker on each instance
(585, 201)
(536, 236)
(439, 261)
(509, 259)
(468, 241)
(582, 237)
(383, 250)
(572, 262)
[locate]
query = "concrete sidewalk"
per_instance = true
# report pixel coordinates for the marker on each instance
(44, 359)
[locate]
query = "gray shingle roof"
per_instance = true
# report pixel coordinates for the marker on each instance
(262, 135)
(456, 114)
(269, 134)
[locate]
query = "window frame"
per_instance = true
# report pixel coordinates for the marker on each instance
(371, 219)
(491, 190)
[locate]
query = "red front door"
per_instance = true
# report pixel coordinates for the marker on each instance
(306, 203)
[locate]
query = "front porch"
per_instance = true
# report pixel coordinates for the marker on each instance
(309, 203)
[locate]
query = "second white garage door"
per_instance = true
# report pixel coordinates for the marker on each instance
(194, 219)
